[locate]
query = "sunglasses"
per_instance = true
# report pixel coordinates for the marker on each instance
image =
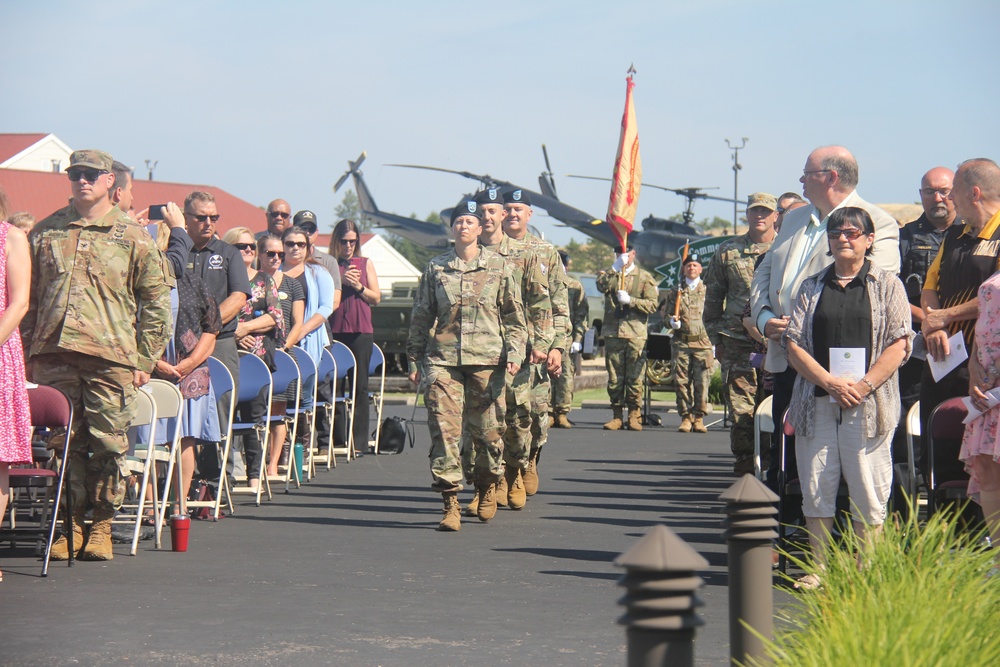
(89, 175)
(296, 244)
(271, 254)
(278, 214)
(348, 241)
(851, 234)
(203, 218)
(245, 246)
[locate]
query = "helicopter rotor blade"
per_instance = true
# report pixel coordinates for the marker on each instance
(482, 178)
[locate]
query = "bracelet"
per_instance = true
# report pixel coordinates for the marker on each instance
(870, 385)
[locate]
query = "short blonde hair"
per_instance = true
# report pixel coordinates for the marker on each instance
(234, 234)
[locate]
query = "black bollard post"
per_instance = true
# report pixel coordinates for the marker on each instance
(751, 525)
(660, 600)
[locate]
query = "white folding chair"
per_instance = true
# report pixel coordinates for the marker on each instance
(762, 423)
(913, 435)
(169, 412)
(377, 398)
(139, 461)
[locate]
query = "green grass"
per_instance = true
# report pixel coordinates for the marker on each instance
(923, 599)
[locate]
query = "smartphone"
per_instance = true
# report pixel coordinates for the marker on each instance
(356, 263)
(156, 211)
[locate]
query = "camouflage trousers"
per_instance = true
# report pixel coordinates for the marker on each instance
(469, 398)
(103, 398)
(740, 382)
(562, 388)
(692, 374)
(625, 359)
(541, 389)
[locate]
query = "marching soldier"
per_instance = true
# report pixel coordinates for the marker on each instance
(466, 334)
(691, 349)
(579, 315)
(727, 291)
(629, 300)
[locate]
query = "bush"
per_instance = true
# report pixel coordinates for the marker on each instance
(924, 598)
(715, 388)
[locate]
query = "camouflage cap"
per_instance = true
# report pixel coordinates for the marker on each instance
(90, 158)
(517, 196)
(762, 199)
(488, 196)
(466, 207)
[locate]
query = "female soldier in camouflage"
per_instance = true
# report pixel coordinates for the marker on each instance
(467, 329)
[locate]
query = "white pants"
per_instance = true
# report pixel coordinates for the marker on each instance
(841, 449)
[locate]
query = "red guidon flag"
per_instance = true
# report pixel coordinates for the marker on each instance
(627, 178)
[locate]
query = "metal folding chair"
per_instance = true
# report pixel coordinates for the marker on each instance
(304, 413)
(285, 375)
(50, 409)
(225, 394)
(255, 380)
(169, 411)
(377, 364)
(762, 423)
(344, 393)
(139, 461)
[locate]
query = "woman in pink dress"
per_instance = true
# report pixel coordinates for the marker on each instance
(15, 416)
(981, 443)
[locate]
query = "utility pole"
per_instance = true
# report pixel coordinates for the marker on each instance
(736, 177)
(151, 165)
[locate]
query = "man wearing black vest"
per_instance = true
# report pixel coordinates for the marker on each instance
(969, 254)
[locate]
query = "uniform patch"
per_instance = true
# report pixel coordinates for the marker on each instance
(215, 262)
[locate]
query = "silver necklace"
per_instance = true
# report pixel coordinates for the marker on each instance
(840, 277)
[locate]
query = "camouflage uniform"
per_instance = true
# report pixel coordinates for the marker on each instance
(579, 315)
(692, 352)
(537, 312)
(624, 332)
(551, 268)
(466, 326)
(99, 310)
(727, 283)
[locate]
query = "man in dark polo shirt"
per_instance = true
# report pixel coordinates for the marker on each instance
(969, 254)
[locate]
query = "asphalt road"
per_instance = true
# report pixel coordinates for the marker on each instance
(348, 570)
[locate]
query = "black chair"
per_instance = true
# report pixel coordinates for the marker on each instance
(947, 484)
(50, 409)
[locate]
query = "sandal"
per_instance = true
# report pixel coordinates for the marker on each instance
(809, 582)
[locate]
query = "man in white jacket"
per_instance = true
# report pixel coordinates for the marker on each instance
(829, 181)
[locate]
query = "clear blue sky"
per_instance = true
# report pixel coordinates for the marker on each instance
(271, 99)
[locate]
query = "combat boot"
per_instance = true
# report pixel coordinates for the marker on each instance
(472, 509)
(634, 419)
(552, 421)
(530, 477)
(516, 496)
(99, 543)
(686, 424)
(60, 548)
(616, 421)
(501, 491)
(487, 502)
(561, 421)
(699, 426)
(452, 520)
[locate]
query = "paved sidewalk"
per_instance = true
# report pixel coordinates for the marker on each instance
(349, 571)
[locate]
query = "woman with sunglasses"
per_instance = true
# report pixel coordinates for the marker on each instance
(259, 321)
(467, 339)
(317, 284)
(351, 323)
(270, 251)
(848, 335)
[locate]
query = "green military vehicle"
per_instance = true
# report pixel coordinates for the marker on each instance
(391, 324)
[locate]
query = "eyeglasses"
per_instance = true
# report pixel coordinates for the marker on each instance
(930, 192)
(271, 254)
(781, 210)
(851, 234)
(203, 218)
(278, 214)
(89, 175)
(244, 246)
(348, 241)
(296, 244)
(806, 172)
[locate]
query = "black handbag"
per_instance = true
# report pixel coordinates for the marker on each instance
(394, 433)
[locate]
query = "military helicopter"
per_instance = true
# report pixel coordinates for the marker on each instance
(427, 234)
(658, 242)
